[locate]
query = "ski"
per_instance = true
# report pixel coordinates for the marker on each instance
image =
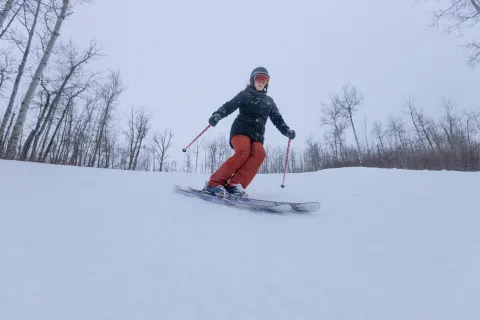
(254, 204)
(306, 207)
(231, 202)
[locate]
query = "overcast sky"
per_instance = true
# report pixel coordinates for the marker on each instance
(184, 59)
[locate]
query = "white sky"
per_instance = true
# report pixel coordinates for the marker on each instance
(184, 59)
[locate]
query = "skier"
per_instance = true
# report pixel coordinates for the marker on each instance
(246, 135)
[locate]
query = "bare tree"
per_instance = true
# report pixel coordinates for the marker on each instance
(333, 116)
(224, 150)
(109, 94)
(397, 132)
(419, 124)
(170, 166)
(293, 159)
(48, 108)
(144, 162)
(379, 134)
(22, 114)
(70, 65)
(197, 151)
(33, 13)
(348, 102)
(188, 162)
(413, 115)
(138, 128)
(13, 6)
(265, 167)
(3, 14)
(365, 132)
(459, 14)
(205, 153)
(161, 146)
(71, 95)
(6, 68)
(80, 131)
(217, 150)
(213, 151)
(312, 155)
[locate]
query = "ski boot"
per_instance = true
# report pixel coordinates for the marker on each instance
(217, 191)
(236, 190)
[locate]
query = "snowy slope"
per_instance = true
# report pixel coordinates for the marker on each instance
(80, 243)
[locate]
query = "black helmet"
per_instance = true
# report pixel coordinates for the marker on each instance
(258, 70)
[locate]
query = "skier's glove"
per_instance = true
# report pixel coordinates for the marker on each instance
(214, 119)
(290, 134)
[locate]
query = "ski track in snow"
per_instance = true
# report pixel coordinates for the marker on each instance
(82, 243)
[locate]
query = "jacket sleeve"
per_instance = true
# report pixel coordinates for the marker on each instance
(230, 106)
(277, 119)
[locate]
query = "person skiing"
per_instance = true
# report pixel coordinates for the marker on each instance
(246, 135)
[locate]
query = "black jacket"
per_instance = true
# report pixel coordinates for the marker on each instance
(255, 107)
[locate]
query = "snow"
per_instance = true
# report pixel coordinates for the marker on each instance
(84, 243)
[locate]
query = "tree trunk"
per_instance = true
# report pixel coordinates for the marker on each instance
(57, 128)
(476, 5)
(427, 136)
(16, 85)
(413, 115)
(109, 93)
(350, 116)
(99, 137)
(80, 136)
(10, 125)
(4, 13)
(28, 142)
(44, 139)
(58, 156)
(22, 115)
(44, 122)
(196, 157)
(13, 17)
(68, 142)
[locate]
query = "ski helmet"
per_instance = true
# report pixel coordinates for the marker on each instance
(259, 70)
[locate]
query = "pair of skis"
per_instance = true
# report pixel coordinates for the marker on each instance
(252, 204)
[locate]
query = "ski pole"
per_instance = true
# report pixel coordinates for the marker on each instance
(286, 161)
(185, 149)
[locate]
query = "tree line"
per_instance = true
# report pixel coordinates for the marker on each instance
(412, 141)
(68, 114)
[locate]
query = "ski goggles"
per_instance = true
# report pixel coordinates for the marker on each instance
(261, 77)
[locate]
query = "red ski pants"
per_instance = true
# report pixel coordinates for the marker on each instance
(243, 165)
